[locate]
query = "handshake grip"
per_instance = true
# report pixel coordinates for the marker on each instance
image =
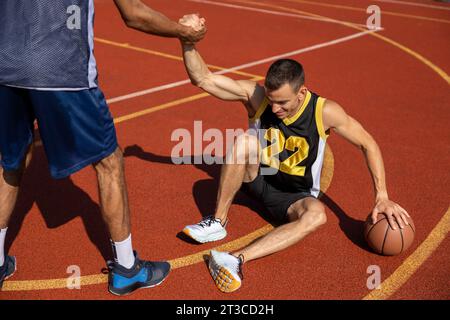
(196, 30)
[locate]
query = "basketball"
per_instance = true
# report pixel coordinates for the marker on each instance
(386, 241)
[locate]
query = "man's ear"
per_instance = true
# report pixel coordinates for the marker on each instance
(302, 92)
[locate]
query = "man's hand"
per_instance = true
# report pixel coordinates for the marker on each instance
(196, 28)
(391, 210)
(139, 16)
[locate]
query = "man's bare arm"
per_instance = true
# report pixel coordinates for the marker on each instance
(335, 117)
(138, 16)
(248, 92)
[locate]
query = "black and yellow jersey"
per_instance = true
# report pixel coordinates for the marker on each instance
(295, 146)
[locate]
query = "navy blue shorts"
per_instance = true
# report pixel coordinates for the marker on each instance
(76, 128)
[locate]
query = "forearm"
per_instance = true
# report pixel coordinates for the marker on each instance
(143, 18)
(219, 86)
(195, 65)
(375, 164)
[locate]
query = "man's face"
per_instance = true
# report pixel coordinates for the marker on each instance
(285, 101)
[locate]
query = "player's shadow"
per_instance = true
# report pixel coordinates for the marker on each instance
(59, 201)
(204, 191)
(352, 228)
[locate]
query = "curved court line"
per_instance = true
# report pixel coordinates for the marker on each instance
(32, 285)
(409, 51)
(277, 13)
(228, 70)
(409, 266)
(394, 283)
(415, 4)
(383, 12)
(397, 279)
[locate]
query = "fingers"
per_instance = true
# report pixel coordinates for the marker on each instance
(392, 222)
(397, 218)
(404, 218)
(199, 34)
(404, 211)
(401, 216)
(396, 215)
(374, 216)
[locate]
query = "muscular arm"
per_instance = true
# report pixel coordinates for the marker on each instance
(248, 92)
(335, 117)
(138, 16)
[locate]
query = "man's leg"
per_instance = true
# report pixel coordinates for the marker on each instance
(243, 166)
(129, 272)
(114, 206)
(113, 195)
(9, 189)
(305, 216)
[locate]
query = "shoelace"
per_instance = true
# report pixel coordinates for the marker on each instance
(208, 221)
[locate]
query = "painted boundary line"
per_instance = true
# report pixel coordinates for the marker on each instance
(415, 4)
(409, 51)
(31, 285)
(277, 13)
(384, 12)
(244, 66)
(405, 271)
(409, 266)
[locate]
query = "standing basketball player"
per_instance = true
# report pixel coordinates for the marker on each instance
(48, 73)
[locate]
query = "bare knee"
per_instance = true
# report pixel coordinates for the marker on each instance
(312, 215)
(314, 219)
(111, 165)
(246, 150)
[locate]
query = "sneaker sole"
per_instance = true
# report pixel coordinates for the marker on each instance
(211, 238)
(132, 290)
(223, 279)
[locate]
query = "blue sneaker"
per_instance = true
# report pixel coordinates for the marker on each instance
(7, 269)
(143, 274)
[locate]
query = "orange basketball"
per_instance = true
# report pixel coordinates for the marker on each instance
(386, 241)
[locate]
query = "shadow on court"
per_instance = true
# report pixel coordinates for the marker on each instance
(352, 228)
(59, 201)
(204, 191)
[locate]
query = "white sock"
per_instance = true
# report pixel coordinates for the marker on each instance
(123, 252)
(2, 246)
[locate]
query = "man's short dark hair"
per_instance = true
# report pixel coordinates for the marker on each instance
(285, 71)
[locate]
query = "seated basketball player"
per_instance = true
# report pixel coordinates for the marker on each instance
(297, 123)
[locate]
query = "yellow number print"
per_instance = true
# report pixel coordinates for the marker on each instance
(277, 139)
(290, 165)
(298, 145)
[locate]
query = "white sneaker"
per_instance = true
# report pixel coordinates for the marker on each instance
(207, 230)
(225, 270)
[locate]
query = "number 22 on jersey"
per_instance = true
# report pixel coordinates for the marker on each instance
(279, 143)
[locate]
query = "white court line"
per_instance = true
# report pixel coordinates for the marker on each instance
(251, 64)
(415, 4)
(242, 66)
(148, 91)
(277, 13)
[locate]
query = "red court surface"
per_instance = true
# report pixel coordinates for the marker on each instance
(394, 81)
